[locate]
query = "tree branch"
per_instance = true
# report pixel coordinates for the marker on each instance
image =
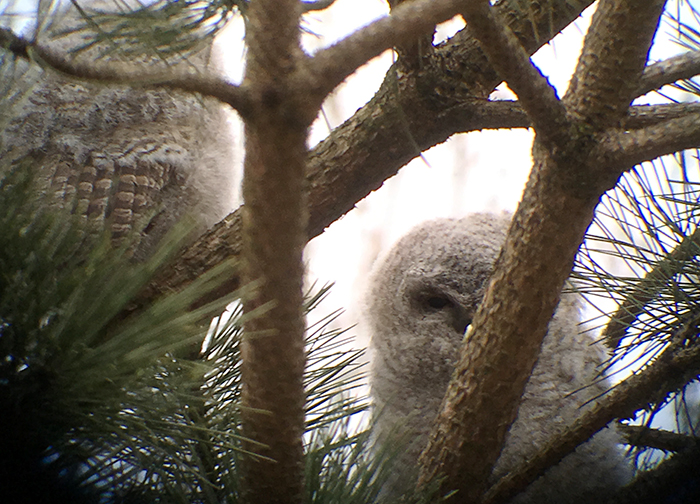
(614, 55)
(646, 437)
(318, 5)
(329, 67)
(380, 138)
(115, 73)
(647, 289)
(547, 229)
(671, 370)
(683, 66)
(508, 57)
(628, 148)
(274, 235)
(674, 480)
(642, 116)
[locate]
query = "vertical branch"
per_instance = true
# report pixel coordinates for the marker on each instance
(274, 234)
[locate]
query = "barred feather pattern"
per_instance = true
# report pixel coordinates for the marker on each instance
(125, 158)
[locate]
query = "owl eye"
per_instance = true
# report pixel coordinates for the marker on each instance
(437, 302)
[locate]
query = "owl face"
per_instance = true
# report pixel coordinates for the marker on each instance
(424, 294)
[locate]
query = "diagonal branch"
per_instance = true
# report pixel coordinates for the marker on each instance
(683, 66)
(547, 229)
(372, 145)
(648, 287)
(670, 371)
(508, 57)
(614, 54)
(114, 73)
(330, 66)
(646, 437)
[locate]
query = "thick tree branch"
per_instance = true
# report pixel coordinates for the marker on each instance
(614, 54)
(114, 73)
(508, 57)
(381, 137)
(675, 367)
(274, 236)
(556, 209)
(683, 66)
(329, 67)
(627, 148)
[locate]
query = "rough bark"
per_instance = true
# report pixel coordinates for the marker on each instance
(274, 235)
(548, 227)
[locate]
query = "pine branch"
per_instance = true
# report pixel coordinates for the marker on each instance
(642, 116)
(613, 59)
(618, 148)
(513, 64)
(647, 289)
(547, 229)
(274, 235)
(329, 67)
(645, 437)
(317, 5)
(679, 67)
(674, 480)
(378, 140)
(675, 367)
(114, 73)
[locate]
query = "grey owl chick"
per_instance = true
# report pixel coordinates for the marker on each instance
(122, 157)
(421, 299)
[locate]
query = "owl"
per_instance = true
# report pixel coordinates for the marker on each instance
(127, 159)
(422, 297)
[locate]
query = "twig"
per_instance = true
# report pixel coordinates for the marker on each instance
(120, 73)
(647, 289)
(646, 437)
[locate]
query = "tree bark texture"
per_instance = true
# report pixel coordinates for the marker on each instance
(274, 234)
(548, 227)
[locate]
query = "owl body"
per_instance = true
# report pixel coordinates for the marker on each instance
(422, 297)
(124, 157)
